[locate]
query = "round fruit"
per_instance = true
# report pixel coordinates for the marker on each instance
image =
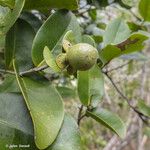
(82, 56)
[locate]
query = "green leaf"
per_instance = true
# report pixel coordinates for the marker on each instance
(88, 39)
(93, 14)
(8, 17)
(116, 32)
(46, 109)
(50, 60)
(144, 7)
(90, 86)
(66, 92)
(131, 44)
(108, 119)
(33, 20)
(109, 53)
(2, 43)
(18, 45)
(11, 104)
(83, 87)
(51, 34)
(9, 84)
(15, 122)
(68, 40)
(96, 85)
(98, 39)
(124, 3)
(68, 4)
(68, 137)
(8, 3)
(144, 108)
(136, 27)
(91, 82)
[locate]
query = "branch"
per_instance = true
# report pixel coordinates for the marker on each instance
(36, 69)
(7, 71)
(121, 66)
(80, 116)
(143, 117)
(139, 19)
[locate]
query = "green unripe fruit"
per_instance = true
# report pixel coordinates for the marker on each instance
(82, 56)
(61, 60)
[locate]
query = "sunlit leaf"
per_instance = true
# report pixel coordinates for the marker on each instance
(8, 16)
(50, 60)
(116, 32)
(108, 119)
(68, 137)
(131, 44)
(144, 108)
(8, 3)
(144, 7)
(90, 86)
(51, 34)
(46, 109)
(68, 4)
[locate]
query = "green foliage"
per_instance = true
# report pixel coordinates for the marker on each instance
(116, 32)
(68, 137)
(59, 23)
(90, 82)
(66, 92)
(37, 41)
(33, 20)
(133, 43)
(144, 108)
(18, 47)
(90, 86)
(16, 129)
(50, 59)
(108, 119)
(68, 4)
(10, 16)
(9, 85)
(7, 3)
(45, 107)
(144, 7)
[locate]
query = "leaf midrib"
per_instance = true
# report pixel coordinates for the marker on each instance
(121, 135)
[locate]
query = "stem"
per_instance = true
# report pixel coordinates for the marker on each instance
(7, 71)
(80, 116)
(139, 19)
(36, 69)
(143, 117)
(121, 66)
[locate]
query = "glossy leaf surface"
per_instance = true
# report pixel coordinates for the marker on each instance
(8, 16)
(18, 45)
(46, 109)
(108, 119)
(51, 34)
(68, 137)
(68, 4)
(144, 7)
